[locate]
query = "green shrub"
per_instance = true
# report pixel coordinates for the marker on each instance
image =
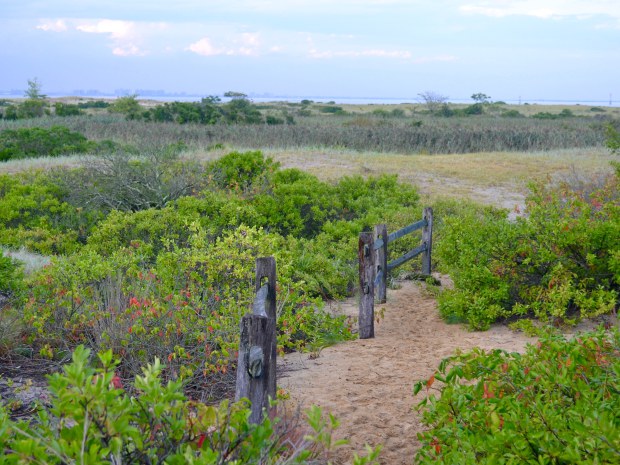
(127, 106)
(241, 111)
(203, 112)
(11, 276)
(93, 104)
(613, 138)
(558, 264)
(94, 419)
(511, 114)
(32, 108)
(331, 109)
(557, 403)
(242, 171)
(184, 308)
(67, 109)
(475, 109)
(34, 214)
(40, 142)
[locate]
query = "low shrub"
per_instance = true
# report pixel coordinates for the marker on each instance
(94, 417)
(558, 264)
(185, 308)
(557, 403)
(41, 142)
(34, 214)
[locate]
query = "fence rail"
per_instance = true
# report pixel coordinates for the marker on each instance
(374, 267)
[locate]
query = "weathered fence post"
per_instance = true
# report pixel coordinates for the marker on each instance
(381, 263)
(427, 239)
(366, 257)
(256, 367)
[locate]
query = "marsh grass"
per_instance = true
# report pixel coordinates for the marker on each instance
(421, 134)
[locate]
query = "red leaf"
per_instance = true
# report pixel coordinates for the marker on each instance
(116, 382)
(430, 382)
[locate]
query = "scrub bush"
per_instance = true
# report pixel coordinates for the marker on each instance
(41, 142)
(557, 403)
(558, 264)
(94, 417)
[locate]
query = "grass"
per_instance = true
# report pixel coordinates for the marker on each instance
(498, 178)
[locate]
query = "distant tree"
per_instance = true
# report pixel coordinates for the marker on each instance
(481, 98)
(34, 90)
(234, 95)
(241, 110)
(128, 106)
(432, 100)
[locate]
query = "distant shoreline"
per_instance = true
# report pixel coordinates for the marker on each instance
(296, 99)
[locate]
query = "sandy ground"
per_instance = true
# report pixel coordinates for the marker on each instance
(367, 384)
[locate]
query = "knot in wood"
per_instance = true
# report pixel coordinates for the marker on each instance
(255, 362)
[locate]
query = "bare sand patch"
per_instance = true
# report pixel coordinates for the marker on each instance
(367, 384)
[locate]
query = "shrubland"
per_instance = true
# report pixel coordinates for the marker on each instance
(164, 266)
(154, 260)
(479, 127)
(556, 403)
(94, 418)
(558, 263)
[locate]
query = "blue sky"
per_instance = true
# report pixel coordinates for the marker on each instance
(533, 49)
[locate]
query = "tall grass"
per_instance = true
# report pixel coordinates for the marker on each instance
(423, 135)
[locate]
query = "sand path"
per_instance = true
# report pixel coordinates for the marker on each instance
(367, 384)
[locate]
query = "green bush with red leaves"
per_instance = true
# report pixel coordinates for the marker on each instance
(558, 403)
(93, 418)
(185, 309)
(559, 263)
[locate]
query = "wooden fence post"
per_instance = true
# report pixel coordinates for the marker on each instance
(427, 239)
(381, 263)
(366, 258)
(256, 366)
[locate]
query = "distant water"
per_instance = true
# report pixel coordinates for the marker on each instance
(340, 100)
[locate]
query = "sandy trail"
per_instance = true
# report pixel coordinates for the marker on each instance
(367, 384)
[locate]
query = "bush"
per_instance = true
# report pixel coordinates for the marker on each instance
(94, 419)
(557, 403)
(127, 106)
(203, 112)
(40, 142)
(558, 264)
(119, 180)
(34, 214)
(93, 104)
(11, 276)
(511, 114)
(241, 111)
(332, 109)
(67, 109)
(184, 308)
(244, 172)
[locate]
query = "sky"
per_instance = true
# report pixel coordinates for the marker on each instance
(508, 49)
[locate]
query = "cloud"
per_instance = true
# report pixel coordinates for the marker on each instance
(124, 35)
(117, 29)
(245, 44)
(53, 26)
(376, 53)
(204, 47)
(544, 8)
